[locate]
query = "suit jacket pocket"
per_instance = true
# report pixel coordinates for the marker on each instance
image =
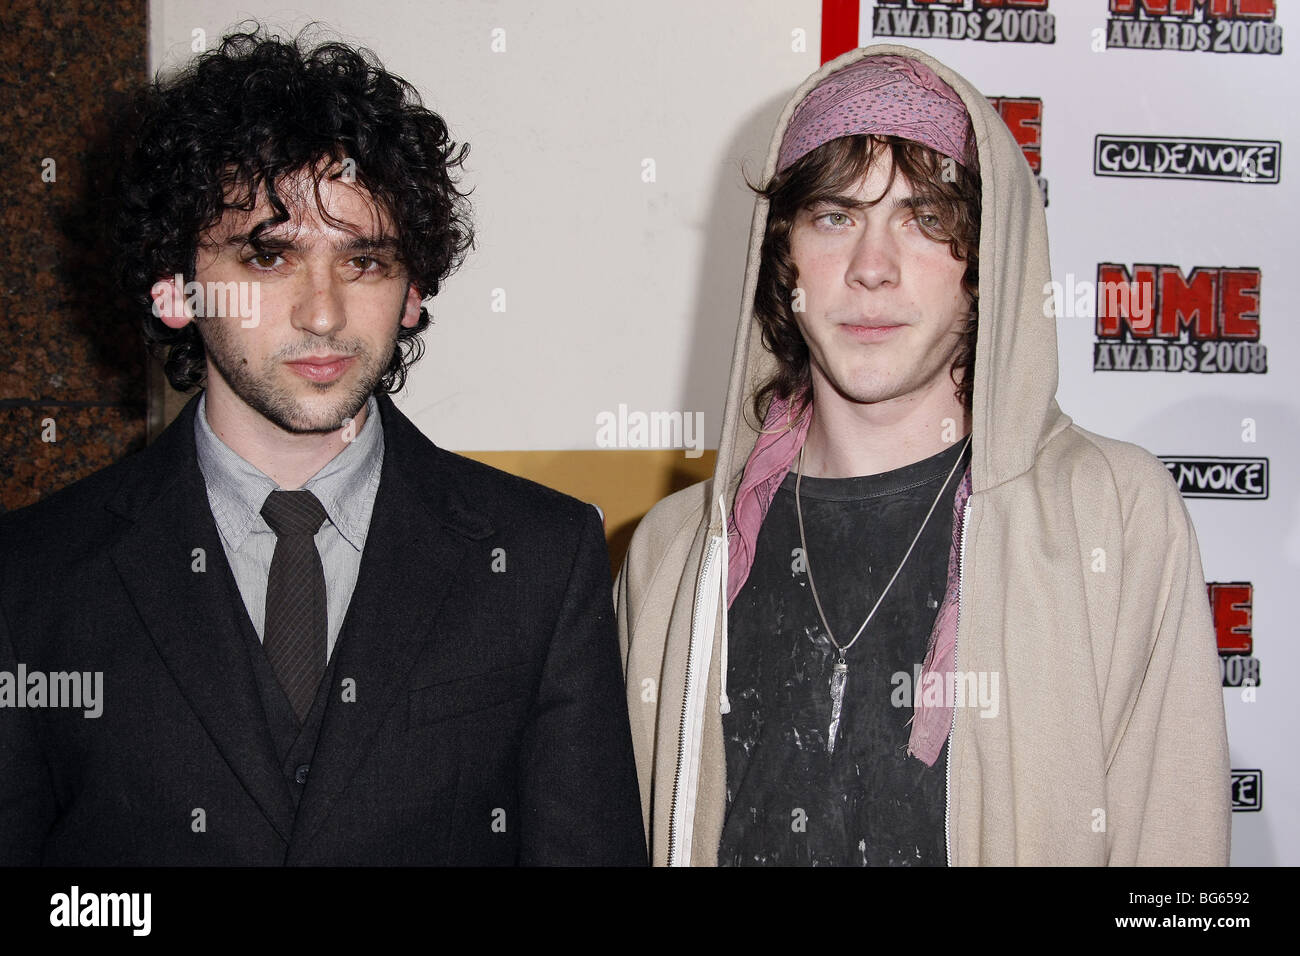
(464, 696)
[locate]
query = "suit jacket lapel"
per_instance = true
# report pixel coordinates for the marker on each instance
(419, 530)
(192, 615)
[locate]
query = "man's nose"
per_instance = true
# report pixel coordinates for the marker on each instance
(320, 306)
(874, 260)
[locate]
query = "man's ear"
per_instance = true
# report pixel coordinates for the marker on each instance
(411, 310)
(169, 302)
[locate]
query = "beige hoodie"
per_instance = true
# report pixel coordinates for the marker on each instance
(1081, 589)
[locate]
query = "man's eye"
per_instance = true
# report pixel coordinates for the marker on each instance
(264, 260)
(367, 264)
(835, 218)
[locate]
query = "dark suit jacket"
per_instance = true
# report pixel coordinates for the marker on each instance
(473, 712)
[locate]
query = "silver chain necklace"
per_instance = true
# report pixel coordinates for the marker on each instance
(840, 673)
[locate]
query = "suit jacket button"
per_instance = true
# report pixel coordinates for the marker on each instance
(300, 775)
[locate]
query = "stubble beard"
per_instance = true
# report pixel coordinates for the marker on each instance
(277, 403)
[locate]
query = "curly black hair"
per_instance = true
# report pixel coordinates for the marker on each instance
(246, 115)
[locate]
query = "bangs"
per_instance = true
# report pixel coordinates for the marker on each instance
(836, 168)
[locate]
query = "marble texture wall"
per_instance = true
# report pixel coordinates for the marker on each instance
(72, 363)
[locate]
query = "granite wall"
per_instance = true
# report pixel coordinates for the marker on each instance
(72, 365)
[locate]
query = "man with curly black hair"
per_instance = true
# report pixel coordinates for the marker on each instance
(293, 630)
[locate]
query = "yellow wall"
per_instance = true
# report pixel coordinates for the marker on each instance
(625, 484)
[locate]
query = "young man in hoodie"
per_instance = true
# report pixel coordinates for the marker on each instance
(918, 616)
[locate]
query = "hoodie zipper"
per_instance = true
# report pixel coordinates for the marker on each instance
(686, 730)
(952, 728)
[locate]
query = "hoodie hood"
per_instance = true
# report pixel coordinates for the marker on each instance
(1014, 410)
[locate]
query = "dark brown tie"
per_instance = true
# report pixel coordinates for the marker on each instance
(295, 629)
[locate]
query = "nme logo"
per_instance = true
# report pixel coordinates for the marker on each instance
(1155, 319)
(1024, 117)
(993, 21)
(1214, 26)
(1247, 790)
(1232, 607)
(1210, 477)
(1188, 157)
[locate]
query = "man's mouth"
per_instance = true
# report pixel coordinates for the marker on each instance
(324, 368)
(871, 330)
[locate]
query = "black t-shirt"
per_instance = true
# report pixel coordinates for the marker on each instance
(867, 803)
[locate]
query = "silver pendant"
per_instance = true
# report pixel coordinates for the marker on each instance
(839, 677)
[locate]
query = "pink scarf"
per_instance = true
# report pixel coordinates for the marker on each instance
(768, 464)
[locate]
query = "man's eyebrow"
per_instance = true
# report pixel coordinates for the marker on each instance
(850, 203)
(914, 202)
(384, 244)
(841, 202)
(263, 241)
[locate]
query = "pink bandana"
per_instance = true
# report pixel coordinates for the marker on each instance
(768, 464)
(930, 724)
(885, 95)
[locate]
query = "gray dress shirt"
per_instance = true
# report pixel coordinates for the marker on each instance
(345, 487)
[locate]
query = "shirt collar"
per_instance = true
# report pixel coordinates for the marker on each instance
(346, 486)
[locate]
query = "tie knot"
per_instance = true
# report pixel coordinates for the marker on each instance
(293, 512)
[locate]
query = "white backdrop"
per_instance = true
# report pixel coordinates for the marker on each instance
(618, 290)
